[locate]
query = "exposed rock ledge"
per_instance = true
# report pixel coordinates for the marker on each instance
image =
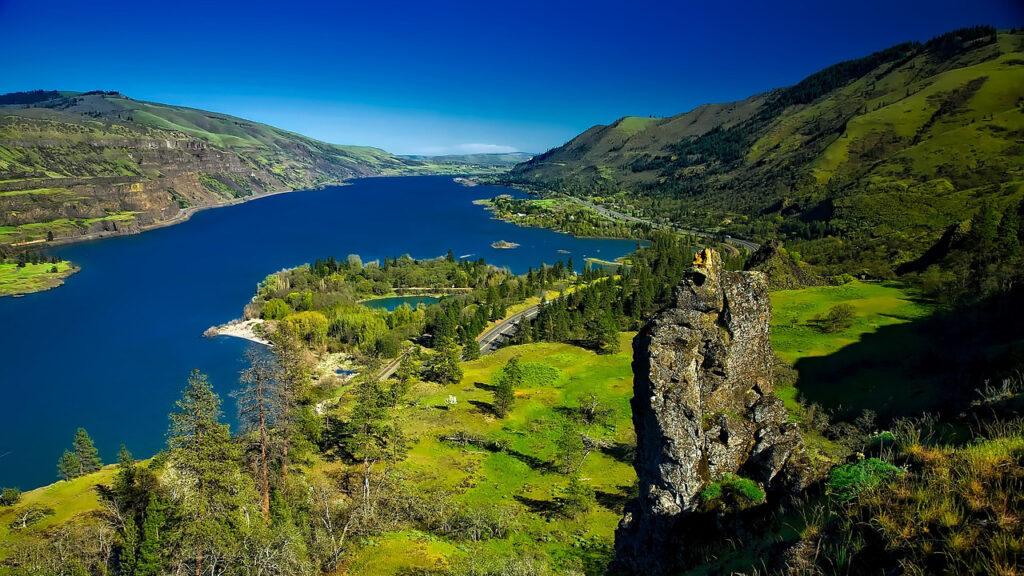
(702, 408)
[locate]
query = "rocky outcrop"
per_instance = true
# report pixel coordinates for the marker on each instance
(783, 270)
(703, 408)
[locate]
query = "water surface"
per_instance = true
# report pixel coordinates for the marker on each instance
(111, 349)
(392, 302)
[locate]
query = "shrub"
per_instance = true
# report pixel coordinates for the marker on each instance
(309, 326)
(10, 496)
(839, 317)
(847, 481)
(576, 498)
(275, 309)
(731, 492)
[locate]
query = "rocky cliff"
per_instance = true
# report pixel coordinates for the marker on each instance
(81, 164)
(703, 409)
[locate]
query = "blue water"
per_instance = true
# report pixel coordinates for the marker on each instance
(396, 301)
(111, 349)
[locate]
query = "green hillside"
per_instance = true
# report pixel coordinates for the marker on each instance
(68, 161)
(862, 165)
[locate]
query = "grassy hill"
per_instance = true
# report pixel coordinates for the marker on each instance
(863, 164)
(101, 162)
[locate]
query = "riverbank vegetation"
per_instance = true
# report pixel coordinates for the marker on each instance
(564, 215)
(31, 272)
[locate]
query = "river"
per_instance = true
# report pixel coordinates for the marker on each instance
(111, 349)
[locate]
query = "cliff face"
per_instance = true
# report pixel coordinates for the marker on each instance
(80, 164)
(703, 408)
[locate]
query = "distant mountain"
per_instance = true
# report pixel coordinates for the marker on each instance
(864, 163)
(99, 162)
(494, 160)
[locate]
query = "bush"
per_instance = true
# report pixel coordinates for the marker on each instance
(731, 492)
(10, 496)
(839, 317)
(275, 309)
(576, 498)
(847, 481)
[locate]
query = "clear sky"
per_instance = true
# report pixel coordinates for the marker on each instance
(449, 77)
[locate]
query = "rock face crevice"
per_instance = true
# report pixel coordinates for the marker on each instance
(702, 407)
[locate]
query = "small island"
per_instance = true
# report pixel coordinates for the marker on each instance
(504, 245)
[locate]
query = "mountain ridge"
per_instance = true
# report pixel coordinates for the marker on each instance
(82, 164)
(829, 163)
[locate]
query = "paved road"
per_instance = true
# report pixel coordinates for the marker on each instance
(492, 338)
(616, 215)
(489, 341)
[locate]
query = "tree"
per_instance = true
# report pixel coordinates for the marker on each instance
(839, 317)
(149, 560)
(10, 496)
(85, 450)
(443, 367)
(259, 404)
(205, 465)
(68, 466)
(371, 436)
(510, 378)
(604, 333)
(470, 347)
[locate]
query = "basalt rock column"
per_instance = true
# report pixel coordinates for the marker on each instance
(702, 407)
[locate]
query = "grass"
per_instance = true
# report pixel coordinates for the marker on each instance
(863, 366)
(69, 500)
(61, 227)
(33, 277)
(521, 478)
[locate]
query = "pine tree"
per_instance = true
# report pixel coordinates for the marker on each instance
(470, 347)
(511, 377)
(206, 462)
(372, 436)
(85, 450)
(259, 405)
(68, 466)
(149, 561)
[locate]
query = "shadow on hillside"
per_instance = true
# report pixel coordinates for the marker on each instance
(887, 371)
(545, 508)
(613, 501)
(484, 407)
(925, 365)
(533, 462)
(483, 386)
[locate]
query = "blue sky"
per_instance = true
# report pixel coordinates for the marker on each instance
(449, 77)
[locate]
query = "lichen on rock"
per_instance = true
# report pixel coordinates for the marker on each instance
(703, 407)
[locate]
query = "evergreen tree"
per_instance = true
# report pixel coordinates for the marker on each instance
(371, 435)
(443, 367)
(470, 347)
(511, 377)
(88, 457)
(259, 405)
(149, 561)
(68, 466)
(205, 462)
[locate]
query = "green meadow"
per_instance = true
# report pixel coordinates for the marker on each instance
(866, 365)
(519, 481)
(33, 277)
